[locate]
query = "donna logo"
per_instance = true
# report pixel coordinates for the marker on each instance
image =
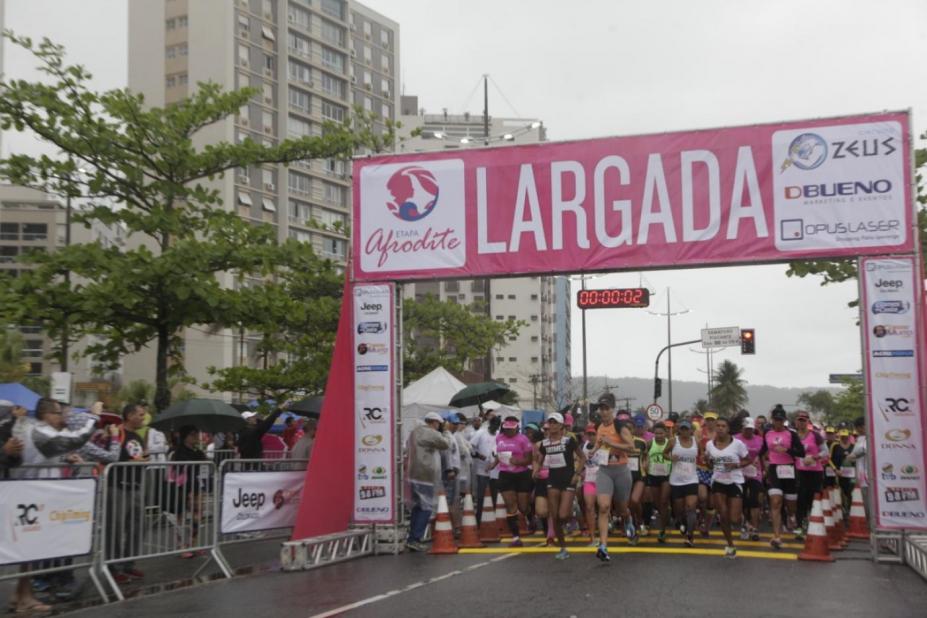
(806, 152)
(414, 191)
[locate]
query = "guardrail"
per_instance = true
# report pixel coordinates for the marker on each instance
(915, 553)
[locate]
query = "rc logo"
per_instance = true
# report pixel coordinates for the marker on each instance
(415, 193)
(806, 152)
(411, 216)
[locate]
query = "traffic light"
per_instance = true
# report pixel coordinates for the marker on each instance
(657, 388)
(747, 341)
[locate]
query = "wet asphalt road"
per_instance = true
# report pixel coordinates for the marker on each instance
(534, 584)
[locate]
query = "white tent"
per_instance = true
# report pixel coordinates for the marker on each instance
(435, 388)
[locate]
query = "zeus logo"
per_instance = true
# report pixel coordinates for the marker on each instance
(864, 148)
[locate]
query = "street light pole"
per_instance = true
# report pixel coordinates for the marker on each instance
(65, 331)
(585, 377)
(669, 352)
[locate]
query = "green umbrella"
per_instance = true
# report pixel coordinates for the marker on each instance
(209, 415)
(477, 394)
(310, 406)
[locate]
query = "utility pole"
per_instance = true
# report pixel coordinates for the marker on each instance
(487, 282)
(585, 376)
(627, 402)
(669, 346)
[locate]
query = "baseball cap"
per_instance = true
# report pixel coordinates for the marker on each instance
(590, 428)
(510, 423)
(669, 424)
(607, 400)
(778, 413)
(830, 429)
(247, 415)
(555, 417)
(802, 415)
(457, 419)
(711, 414)
(749, 423)
(843, 432)
(685, 424)
(639, 421)
(433, 416)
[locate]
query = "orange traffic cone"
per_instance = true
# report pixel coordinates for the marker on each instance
(859, 527)
(469, 535)
(489, 530)
(837, 501)
(832, 543)
(816, 541)
(501, 513)
(443, 535)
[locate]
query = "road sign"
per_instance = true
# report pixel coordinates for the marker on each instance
(720, 337)
(840, 378)
(655, 412)
(61, 386)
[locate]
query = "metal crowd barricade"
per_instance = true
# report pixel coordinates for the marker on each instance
(62, 563)
(223, 540)
(155, 510)
(915, 553)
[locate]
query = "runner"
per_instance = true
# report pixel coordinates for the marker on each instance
(591, 470)
(706, 434)
(514, 456)
(658, 471)
(561, 455)
(830, 470)
(782, 447)
(638, 466)
(753, 479)
(613, 480)
(728, 458)
(541, 512)
(809, 470)
(683, 450)
(846, 470)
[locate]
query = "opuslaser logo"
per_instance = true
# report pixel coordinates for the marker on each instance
(901, 494)
(797, 229)
(893, 307)
(412, 216)
(892, 330)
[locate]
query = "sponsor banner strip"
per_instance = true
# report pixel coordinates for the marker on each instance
(838, 187)
(253, 501)
(891, 321)
(46, 518)
(373, 402)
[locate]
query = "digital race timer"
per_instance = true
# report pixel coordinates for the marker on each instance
(604, 299)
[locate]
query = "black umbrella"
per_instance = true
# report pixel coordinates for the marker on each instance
(310, 406)
(478, 394)
(209, 415)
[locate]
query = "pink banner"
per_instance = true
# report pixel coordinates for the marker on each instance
(764, 193)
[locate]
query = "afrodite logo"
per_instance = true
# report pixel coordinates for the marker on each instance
(412, 216)
(415, 193)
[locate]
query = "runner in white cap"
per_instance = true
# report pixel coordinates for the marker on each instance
(728, 457)
(562, 455)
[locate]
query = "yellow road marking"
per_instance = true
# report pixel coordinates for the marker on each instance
(689, 551)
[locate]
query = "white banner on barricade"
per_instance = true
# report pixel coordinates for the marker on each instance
(895, 411)
(253, 501)
(373, 400)
(43, 519)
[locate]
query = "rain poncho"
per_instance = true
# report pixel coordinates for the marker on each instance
(423, 466)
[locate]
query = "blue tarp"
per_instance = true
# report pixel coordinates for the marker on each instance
(20, 396)
(532, 416)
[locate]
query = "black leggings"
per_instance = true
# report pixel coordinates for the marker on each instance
(809, 483)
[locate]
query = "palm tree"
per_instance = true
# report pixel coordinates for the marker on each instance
(729, 394)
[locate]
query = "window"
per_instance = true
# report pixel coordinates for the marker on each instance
(299, 212)
(32, 348)
(534, 338)
(384, 63)
(9, 231)
(267, 176)
(332, 59)
(451, 286)
(299, 99)
(269, 205)
(171, 51)
(332, 33)
(244, 53)
(511, 297)
(170, 81)
(334, 194)
(170, 24)
(513, 380)
(299, 183)
(368, 54)
(513, 359)
(268, 7)
(297, 15)
(244, 80)
(500, 318)
(182, 21)
(333, 166)
(268, 92)
(182, 79)
(367, 29)
(499, 296)
(331, 111)
(244, 199)
(35, 231)
(534, 297)
(384, 38)
(8, 254)
(243, 113)
(241, 175)
(244, 23)
(511, 317)
(297, 127)
(330, 218)
(299, 45)
(534, 318)
(268, 63)
(301, 236)
(500, 359)
(368, 78)
(368, 104)
(333, 247)
(299, 72)
(534, 359)
(335, 8)
(267, 120)
(35, 369)
(333, 85)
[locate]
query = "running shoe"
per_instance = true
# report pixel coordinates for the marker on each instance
(593, 543)
(704, 531)
(563, 554)
(631, 532)
(730, 552)
(602, 553)
(690, 542)
(755, 536)
(744, 534)
(516, 543)
(661, 538)
(682, 529)
(776, 543)
(644, 531)
(414, 546)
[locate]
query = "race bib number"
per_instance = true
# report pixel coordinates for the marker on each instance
(785, 472)
(601, 457)
(658, 469)
(591, 474)
(555, 460)
(829, 472)
(721, 475)
(634, 464)
(848, 473)
(685, 468)
(505, 457)
(750, 472)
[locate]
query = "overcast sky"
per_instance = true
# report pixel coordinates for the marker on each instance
(597, 68)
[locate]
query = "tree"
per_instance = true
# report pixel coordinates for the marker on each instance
(849, 404)
(183, 242)
(820, 402)
(438, 334)
(701, 406)
(12, 367)
(729, 394)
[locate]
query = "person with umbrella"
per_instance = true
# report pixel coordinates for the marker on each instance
(423, 472)
(249, 440)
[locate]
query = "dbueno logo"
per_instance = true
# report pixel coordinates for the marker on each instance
(412, 216)
(838, 189)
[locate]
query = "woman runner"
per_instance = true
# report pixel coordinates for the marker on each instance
(782, 447)
(658, 472)
(638, 466)
(560, 453)
(613, 480)
(683, 450)
(589, 474)
(514, 453)
(753, 479)
(728, 457)
(809, 470)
